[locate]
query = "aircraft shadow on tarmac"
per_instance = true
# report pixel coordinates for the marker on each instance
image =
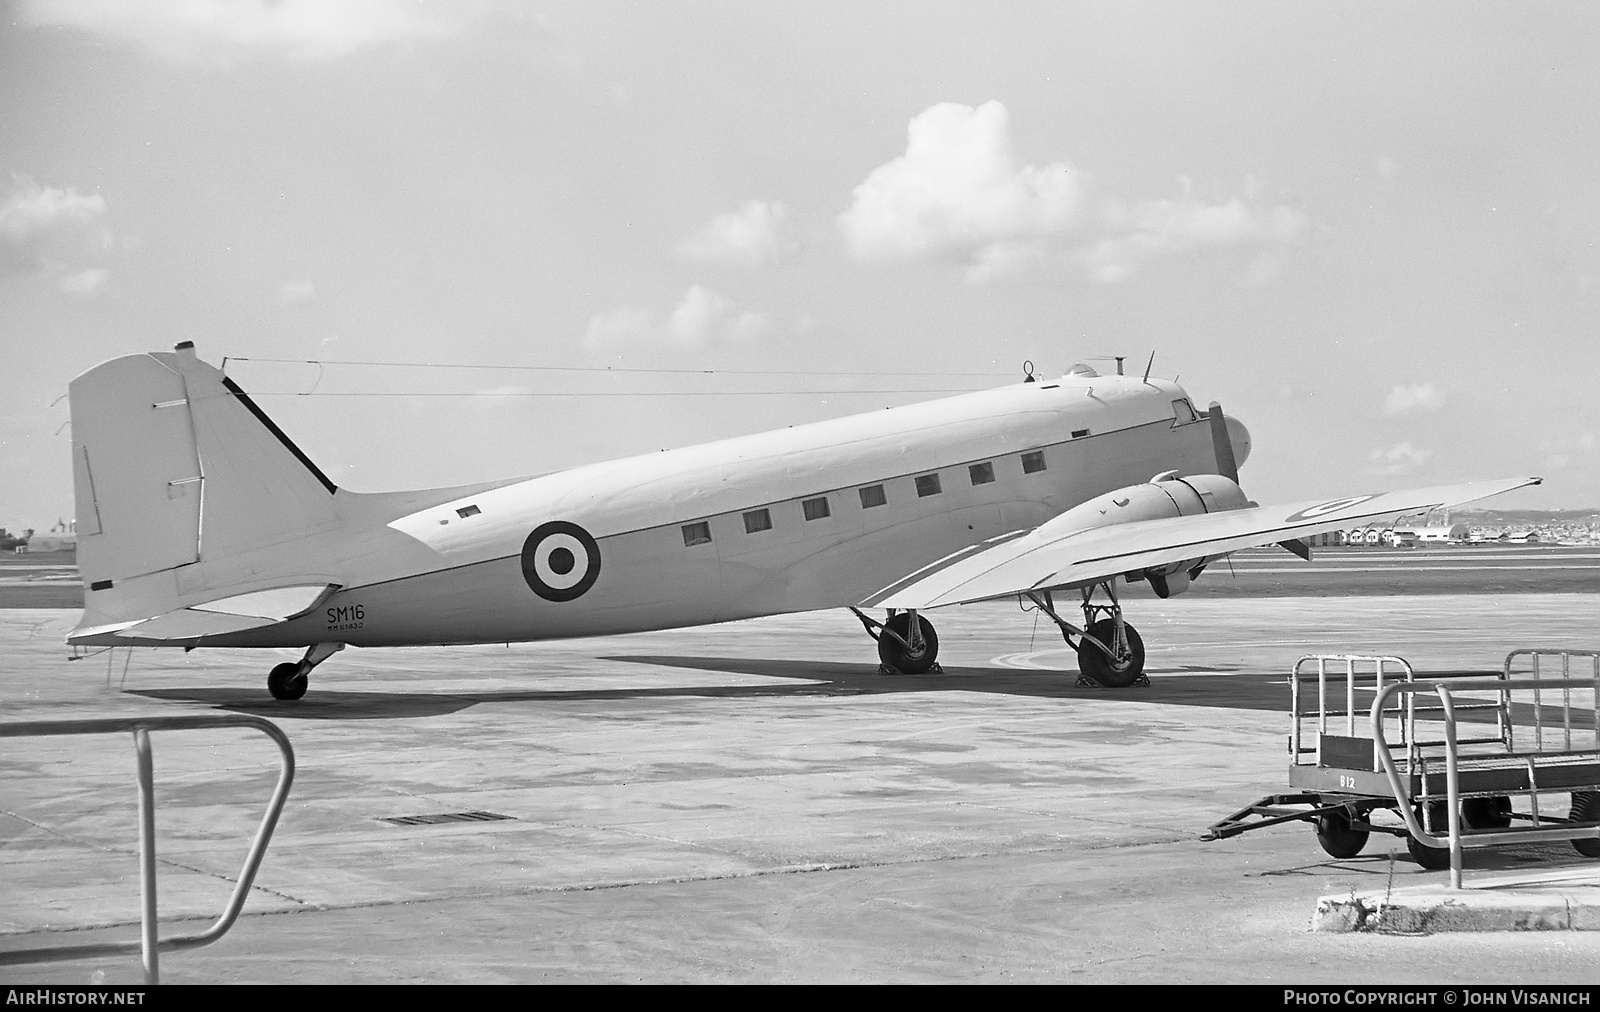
(1250, 691)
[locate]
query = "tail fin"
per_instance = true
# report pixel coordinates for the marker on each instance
(178, 476)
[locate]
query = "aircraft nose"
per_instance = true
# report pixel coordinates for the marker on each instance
(1239, 437)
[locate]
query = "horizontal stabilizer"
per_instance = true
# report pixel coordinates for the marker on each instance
(188, 624)
(1048, 559)
(278, 605)
(213, 618)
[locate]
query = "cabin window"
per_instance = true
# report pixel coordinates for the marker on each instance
(696, 534)
(1033, 461)
(468, 511)
(982, 474)
(872, 496)
(1183, 411)
(1076, 434)
(816, 509)
(928, 484)
(757, 520)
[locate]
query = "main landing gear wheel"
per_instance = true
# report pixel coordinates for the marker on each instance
(1094, 665)
(287, 681)
(897, 655)
(1337, 837)
(1586, 808)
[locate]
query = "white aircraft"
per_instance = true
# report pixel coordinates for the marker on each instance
(201, 524)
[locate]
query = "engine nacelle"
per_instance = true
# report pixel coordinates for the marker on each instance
(1164, 496)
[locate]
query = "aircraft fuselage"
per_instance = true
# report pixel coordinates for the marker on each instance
(723, 530)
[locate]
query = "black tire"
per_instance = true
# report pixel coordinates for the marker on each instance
(1337, 837)
(1586, 808)
(1431, 858)
(1486, 813)
(894, 654)
(1096, 666)
(286, 682)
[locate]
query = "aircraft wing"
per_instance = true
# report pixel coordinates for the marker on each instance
(1045, 559)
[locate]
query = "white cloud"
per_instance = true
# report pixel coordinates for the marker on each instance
(1398, 459)
(295, 292)
(958, 191)
(31, 210)
(1405, 400)
(48, 231)
(85, 282)
(1155, 227)
(297, 29)
(702, 319)
(758, 234)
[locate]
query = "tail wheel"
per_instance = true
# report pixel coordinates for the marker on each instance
(286, 681)
(1586, 808)
(1096, 666)
(898, 656)
(1337, 837)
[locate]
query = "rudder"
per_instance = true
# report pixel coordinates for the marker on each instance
(176, 469)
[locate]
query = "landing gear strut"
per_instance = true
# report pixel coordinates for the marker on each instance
(1110, 651)
(289, 679)
(907, 643)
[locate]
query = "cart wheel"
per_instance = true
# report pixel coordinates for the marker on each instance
(1486, 813)
(1586, 808)
(1431, 858)
(1337, 837)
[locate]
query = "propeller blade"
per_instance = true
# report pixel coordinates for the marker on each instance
(1222, 446)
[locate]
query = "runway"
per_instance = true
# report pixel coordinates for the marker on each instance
(749, 802)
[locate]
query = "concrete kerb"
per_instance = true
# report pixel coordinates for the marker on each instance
(1558, 901)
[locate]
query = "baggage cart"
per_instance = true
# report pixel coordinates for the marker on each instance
(1460, 760)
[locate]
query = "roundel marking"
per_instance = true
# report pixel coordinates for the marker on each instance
(1333, 506)
(560, 561)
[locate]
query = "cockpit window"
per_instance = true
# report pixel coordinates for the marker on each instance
(1183, 411)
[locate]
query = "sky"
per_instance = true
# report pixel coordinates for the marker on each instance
(1367, 229)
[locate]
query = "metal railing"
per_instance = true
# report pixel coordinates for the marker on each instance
(149, 944)
(1352, 674)
(1369, 673)
(1567, 678)
(1455, 839)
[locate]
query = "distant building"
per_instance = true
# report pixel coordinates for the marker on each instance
(1445, 533)
(60, 537)
(51, 543)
